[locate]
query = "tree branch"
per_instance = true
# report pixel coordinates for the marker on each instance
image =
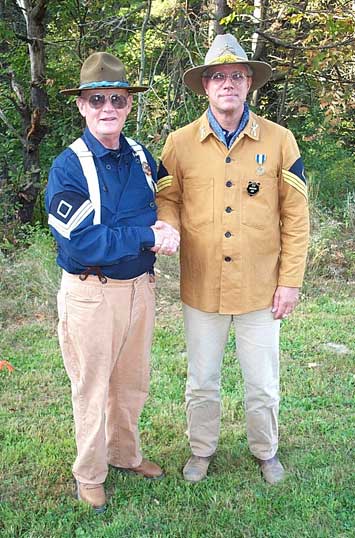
(142, 65)
(18, 90)
(22, 4)
(285, 45)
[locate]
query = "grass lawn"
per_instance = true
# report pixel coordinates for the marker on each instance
(317, 427)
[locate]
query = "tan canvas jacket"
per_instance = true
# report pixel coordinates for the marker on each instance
(242, 213)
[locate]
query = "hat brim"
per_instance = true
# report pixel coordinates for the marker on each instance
(130, 89)
(261, 74)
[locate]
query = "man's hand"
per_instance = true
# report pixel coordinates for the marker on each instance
(285, 300)
(167, 239)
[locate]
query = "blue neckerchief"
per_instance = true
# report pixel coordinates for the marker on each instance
(223, 135)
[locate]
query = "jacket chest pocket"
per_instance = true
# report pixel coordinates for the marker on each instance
(198, 201)
(260, 202)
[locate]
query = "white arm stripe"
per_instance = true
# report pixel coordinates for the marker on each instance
(65, 229)
(89, 169)
(137, 148)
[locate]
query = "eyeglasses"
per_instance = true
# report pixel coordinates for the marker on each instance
(237, 77)
(97, 100)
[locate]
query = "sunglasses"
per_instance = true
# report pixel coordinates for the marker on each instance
(97, 100)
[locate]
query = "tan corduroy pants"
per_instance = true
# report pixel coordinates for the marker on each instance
(105, 334)
(257, 346)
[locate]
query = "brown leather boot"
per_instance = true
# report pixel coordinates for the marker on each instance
(93, 494)
(272, 470)
(147, 468)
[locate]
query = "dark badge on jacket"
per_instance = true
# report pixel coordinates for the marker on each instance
(253, 188)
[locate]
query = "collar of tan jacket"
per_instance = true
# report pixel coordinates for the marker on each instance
(252, 128)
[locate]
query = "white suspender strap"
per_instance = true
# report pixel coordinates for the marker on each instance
(138, 150)
(89, 169)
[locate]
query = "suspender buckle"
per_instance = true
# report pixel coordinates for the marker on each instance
(93, 271)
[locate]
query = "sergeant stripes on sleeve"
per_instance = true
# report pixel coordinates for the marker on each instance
(164, 182)
(164, 179)
(65, 228)
(295, 182)
(295, 177)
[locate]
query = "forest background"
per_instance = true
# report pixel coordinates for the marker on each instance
(310, 45)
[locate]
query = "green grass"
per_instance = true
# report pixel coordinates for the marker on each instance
(317, 427)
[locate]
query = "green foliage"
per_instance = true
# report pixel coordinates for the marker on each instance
(29, 277)
(328, 162)
(331, 252)
(316, 426)
(308, 77)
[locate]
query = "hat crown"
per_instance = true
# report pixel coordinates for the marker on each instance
(225, 49)
(103, 70)
(102, 66)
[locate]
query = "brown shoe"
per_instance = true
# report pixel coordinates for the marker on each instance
(93, 494)
(147, 468)
(272, 470)
(196, 468)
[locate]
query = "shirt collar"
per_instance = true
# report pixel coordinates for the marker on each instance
(205, 128)
(225, 137)
(98, 149)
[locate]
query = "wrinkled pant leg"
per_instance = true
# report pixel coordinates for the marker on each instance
(129, 381)
(257, 341)
(84, 329)
(206, 337)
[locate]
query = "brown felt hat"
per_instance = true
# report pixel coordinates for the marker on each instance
(225, 49)
(103, 70)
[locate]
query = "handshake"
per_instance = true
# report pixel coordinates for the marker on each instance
(167, 239)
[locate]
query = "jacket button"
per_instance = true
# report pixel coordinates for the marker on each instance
(108, 167)
(152, 204)
(227, 259)
(228, 234)
(229, 184)
(229, 209)
(228, 159)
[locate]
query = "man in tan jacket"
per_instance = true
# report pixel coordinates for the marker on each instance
(233, 184)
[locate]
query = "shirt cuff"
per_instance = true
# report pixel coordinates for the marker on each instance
(147, 238)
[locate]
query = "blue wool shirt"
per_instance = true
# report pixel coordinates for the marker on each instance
(224, 136)
(120, 244)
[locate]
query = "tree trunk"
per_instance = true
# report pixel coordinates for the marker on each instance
(258, 44)
(219, 10)
(32, 116)
(140, 111)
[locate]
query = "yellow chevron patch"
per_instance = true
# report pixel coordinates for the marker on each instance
(164, 182)
(295, 182)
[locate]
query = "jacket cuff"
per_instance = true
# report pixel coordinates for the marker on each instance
(290, 282)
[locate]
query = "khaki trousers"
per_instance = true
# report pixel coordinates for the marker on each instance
(257, 347)
(105, 334)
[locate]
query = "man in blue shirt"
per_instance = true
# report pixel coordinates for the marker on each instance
(101, 209)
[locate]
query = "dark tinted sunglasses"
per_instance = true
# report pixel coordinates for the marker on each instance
(97, 100)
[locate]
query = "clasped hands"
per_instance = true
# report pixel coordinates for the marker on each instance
(167, 239)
